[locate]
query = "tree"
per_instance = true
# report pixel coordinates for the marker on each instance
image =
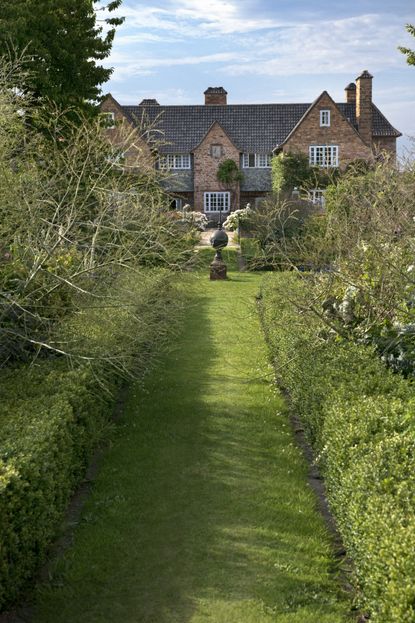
(63, 44)
(410, 54)
(292, 170)
(230, 176)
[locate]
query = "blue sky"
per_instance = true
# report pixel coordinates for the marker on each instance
(265, 51)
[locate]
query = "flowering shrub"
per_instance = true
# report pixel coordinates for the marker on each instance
(239, 218)
(195, 219)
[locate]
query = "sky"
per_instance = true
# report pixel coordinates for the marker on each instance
(265, 51)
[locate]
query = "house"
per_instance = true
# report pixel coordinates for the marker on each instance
(196, 139)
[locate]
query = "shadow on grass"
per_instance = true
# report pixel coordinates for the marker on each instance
(194, 516)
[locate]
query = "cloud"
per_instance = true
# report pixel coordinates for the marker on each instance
(336, 46)
(125, 66)
(193, 18)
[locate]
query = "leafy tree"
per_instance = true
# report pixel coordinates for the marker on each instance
(410, 54)
(63, 43)
(292, 170)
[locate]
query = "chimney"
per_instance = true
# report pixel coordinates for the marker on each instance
(350, 92)
(215, 96)
(149, 102)
(364, 106)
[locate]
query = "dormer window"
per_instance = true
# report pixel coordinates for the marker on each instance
(324, 118)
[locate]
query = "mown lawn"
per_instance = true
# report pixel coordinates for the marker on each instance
(201, 511)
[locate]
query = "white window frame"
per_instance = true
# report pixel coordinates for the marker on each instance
(324, 118)
(212, 201)
(261, 161)
(324, 155)
(175, 162)
(110, 120)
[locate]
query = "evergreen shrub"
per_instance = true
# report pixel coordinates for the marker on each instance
(359, 417)
(52, 415)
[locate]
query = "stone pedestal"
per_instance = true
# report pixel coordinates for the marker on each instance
(218, 270)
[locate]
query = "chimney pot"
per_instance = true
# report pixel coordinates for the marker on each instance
(149, 102)
(350, 92)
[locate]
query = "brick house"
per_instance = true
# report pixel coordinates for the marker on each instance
(196, 139)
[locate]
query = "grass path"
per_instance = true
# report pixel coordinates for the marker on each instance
(201, 512)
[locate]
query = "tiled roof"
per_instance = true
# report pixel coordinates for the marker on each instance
(254, 128)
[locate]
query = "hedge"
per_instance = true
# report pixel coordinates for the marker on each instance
(359, 417)
(51, 417)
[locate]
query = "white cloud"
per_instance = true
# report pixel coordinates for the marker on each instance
(196, 18)
(336, 46)
(125, 66)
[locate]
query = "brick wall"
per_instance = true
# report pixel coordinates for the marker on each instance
(127, 138)
(339, 133)
(385, 143)
(206, 166)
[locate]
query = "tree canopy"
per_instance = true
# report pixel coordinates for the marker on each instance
(410, 54)
(63, 42)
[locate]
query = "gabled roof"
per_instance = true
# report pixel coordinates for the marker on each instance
(253, 128)
(209, 129)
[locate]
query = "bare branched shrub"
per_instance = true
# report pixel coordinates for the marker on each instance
(72, 213)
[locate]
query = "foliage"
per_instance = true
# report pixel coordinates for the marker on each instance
(48, 432)
(292, 170)
(410, 54)
(359, 418)
(69, 216)
(204, 257)
(63, 44)
(369, 293)
(239, 218)
(230, 176)
(198, 220)
(281, 228)
(228, 173)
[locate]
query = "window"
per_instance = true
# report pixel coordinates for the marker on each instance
(324, 155)
(216, 151)
(256, 161)
(217, 202)
(175, 161)
(324, 118)
(109, 120)
(176, 204)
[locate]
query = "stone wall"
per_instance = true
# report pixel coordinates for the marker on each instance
(384, 143)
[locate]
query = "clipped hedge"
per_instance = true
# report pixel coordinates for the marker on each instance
(51, 417)
(359, 417)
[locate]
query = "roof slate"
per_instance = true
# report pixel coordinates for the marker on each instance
(254, 128)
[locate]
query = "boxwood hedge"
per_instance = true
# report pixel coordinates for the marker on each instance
(52, 414)
(359, 417)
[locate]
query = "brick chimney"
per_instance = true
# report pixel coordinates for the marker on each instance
(364, 106)
(215, 96)
(350, 93)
